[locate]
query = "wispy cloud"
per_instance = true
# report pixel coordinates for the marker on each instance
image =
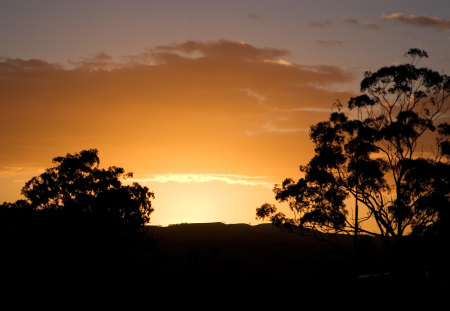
(320, 24)
(219, 49)
(259, 97)
(271, 128)
(366, 25)
(231, 179)
(12, 65)
(330, 42)
(100, 61)
(278, 62)
(302, 109)
(419, 20)
(255, 16)
(19, 174)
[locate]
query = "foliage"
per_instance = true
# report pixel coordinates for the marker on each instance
(381, 155)
(79, 225)
(77, 193)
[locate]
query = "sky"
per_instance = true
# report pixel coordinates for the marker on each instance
(208, 103)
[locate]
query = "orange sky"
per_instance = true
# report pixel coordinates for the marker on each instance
(194, 108)
(209, 105)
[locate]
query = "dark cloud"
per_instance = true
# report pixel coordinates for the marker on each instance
(419, 20)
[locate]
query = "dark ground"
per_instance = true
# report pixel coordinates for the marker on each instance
(262, 260)
(221, 263)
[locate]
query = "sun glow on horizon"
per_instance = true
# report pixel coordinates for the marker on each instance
(197, 198)
(206, 201)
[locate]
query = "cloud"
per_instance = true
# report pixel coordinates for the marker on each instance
(12, 65)
(255, 16)
(271, 128)
(230, 179)
(330, 42)
(19, 174)
(303, 109)
(100, 61)
(365, 25)
(320, 24)
(432, 22)
(260, 98)
(183, 105)
(223, 49)
(278, 61)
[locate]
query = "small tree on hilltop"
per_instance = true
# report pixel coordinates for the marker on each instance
(382, 156)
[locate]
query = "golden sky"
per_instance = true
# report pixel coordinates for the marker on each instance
(208, 117)
(173, 115)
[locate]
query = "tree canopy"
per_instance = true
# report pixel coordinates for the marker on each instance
(77, 191)
(79, 225)
(388, 153)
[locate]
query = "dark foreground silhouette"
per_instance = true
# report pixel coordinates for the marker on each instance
(212, 261)
(80, 234)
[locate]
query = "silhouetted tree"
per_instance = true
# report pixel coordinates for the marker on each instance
(381, 154)
(77, 193)
(77, 221)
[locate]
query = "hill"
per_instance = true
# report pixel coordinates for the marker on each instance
(223, 262)
(228, 260)
(208, 252)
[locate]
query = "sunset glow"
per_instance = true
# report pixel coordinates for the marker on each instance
(208, 103)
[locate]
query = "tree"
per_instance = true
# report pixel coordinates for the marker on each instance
(78, 222)
(380, 155)
(76, 190)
